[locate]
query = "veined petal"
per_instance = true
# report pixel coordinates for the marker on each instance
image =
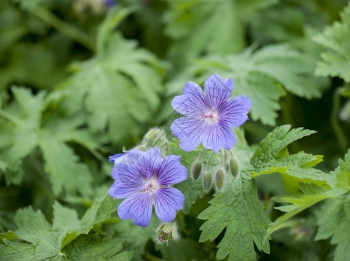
(126, 174)
(171, 171)
(191, 102)
(138, 207)
(166, 202)
(188, 130)
(217, 90)
(148, 164)
(219, 136)
(120, 190)
(235, 111)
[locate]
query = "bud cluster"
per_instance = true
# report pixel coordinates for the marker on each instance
(229, 164)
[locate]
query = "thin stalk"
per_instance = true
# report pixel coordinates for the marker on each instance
(209, 159)
(335, 123)
(64, 27)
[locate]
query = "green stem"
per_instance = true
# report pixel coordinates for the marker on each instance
(64, 27)
(334, 121)
(209, 159)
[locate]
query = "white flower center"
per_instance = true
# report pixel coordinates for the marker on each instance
(151, 186)
(210, 117)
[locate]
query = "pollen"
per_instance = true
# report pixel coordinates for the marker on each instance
(211, 117)
(151, 186)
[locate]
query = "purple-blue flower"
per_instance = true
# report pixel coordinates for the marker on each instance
(209, 116)
(146, 180)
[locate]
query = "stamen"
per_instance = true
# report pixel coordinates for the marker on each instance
(211, 117)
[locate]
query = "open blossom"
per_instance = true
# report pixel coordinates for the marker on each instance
(209, 116)
(146, 180)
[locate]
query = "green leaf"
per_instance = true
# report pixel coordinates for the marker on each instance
(48, 241)
(101, 210)
(33, 228)
(12, 251)
(334, 219)
(342, 173)
(62, 164)
(239, 211)
(308, 196)
(25, 128)
(334, 223)
(194, 27)
(272, 156)
(91, 247)
(119, 87)
(20, 129)
(336, 61)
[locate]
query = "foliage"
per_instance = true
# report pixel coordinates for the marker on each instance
(80, 80)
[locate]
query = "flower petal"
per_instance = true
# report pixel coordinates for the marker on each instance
(236, 110)
(192, 102)
(148, 164)
(166, 202)
(188, 130)
(138, 207)
(126, 174)
(122, 190)
(115, 157)
(217, 90)
(171, 171)
(219, 136)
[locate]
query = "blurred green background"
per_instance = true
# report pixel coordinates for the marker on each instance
(83, 79)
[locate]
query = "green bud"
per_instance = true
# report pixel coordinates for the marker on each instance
(220, 179)
(166, 232)
(196, 170)
(234, 168)
(155, 137)
(207, 181)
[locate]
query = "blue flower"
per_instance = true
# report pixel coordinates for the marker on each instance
(210, 116)
(145, 180)
(109, 3)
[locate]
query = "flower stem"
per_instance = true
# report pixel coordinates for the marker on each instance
(334, 121)
(64, 27)
(209, 159)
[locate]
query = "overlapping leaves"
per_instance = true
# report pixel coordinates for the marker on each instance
(23, 129)
(336, 61)
(238, 209)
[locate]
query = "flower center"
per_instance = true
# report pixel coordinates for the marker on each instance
(211, 117)
(151, 186)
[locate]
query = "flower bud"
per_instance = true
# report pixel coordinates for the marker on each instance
(207, 181)
(155, 137)
(220, 179)
(196, 170)
(166, 232)
(234, 168)
(300, 231)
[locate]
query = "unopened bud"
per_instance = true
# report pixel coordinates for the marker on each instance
(196, 170)
(300, 231)
(207, 181)
(234, 168)
(155, 137)
(166, 232)
(220, 179)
